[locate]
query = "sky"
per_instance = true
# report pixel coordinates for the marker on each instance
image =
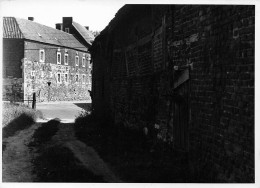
(93, 13)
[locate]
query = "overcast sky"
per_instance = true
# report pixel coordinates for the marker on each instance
(93, 13)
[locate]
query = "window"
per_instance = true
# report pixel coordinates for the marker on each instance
(32, 73)
(58, 78)
(66, 60)
(83, 78)
(77, 60)
(66, 77)
(58, 58)
(42, 56)
(77, 77)
(83, 61)
(67, 30)
(89, 62)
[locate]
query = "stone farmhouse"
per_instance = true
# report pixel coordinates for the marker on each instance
(186, 73)
(48, 62)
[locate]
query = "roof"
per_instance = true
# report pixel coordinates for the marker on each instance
(86, 34)
(26, 29)
(11, 28)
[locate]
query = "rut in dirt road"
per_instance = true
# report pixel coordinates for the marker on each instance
(63, 158)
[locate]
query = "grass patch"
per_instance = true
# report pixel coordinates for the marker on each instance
(12, 111)
(21, 122)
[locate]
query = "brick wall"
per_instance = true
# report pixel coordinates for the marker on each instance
(219, 40)
(210, 114)
(13, 51)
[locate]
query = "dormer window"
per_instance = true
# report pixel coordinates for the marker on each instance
(67, 30)
(58, 58)
(41, 56)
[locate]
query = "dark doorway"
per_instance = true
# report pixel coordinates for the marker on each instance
(180, 113)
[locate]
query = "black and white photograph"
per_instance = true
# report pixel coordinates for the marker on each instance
(128, 92)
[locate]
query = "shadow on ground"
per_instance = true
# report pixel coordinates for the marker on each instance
(131, 156)
(58, 164)
(22, 122)
(55, 162)
(44, 133)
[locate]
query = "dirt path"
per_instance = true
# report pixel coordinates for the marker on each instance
(86, 155)
(22, 163)
(17, 157)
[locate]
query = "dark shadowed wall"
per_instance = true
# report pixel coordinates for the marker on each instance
(206, 109)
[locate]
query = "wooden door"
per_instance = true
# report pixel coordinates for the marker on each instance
(181, 118)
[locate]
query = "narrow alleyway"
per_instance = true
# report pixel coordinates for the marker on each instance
(87, 150)
(50, 152)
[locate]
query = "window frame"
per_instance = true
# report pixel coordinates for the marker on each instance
(83, 61)
(76, 61)
(77, 78)
(41, 60)
(58, 53)
(66, 80)
(58, 81)
(84, 78)
(66, 63)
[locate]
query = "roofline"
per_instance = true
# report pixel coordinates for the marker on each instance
(55, 45)
(80, 34)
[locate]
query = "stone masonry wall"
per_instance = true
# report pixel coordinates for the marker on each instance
(37, 74)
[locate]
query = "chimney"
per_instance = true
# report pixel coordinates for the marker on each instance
(87, 27)
(59, 26)
(31, 18)
(67, 20)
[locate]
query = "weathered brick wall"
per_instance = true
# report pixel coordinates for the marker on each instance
(211, 115)
(219, 41)
(39, 73)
